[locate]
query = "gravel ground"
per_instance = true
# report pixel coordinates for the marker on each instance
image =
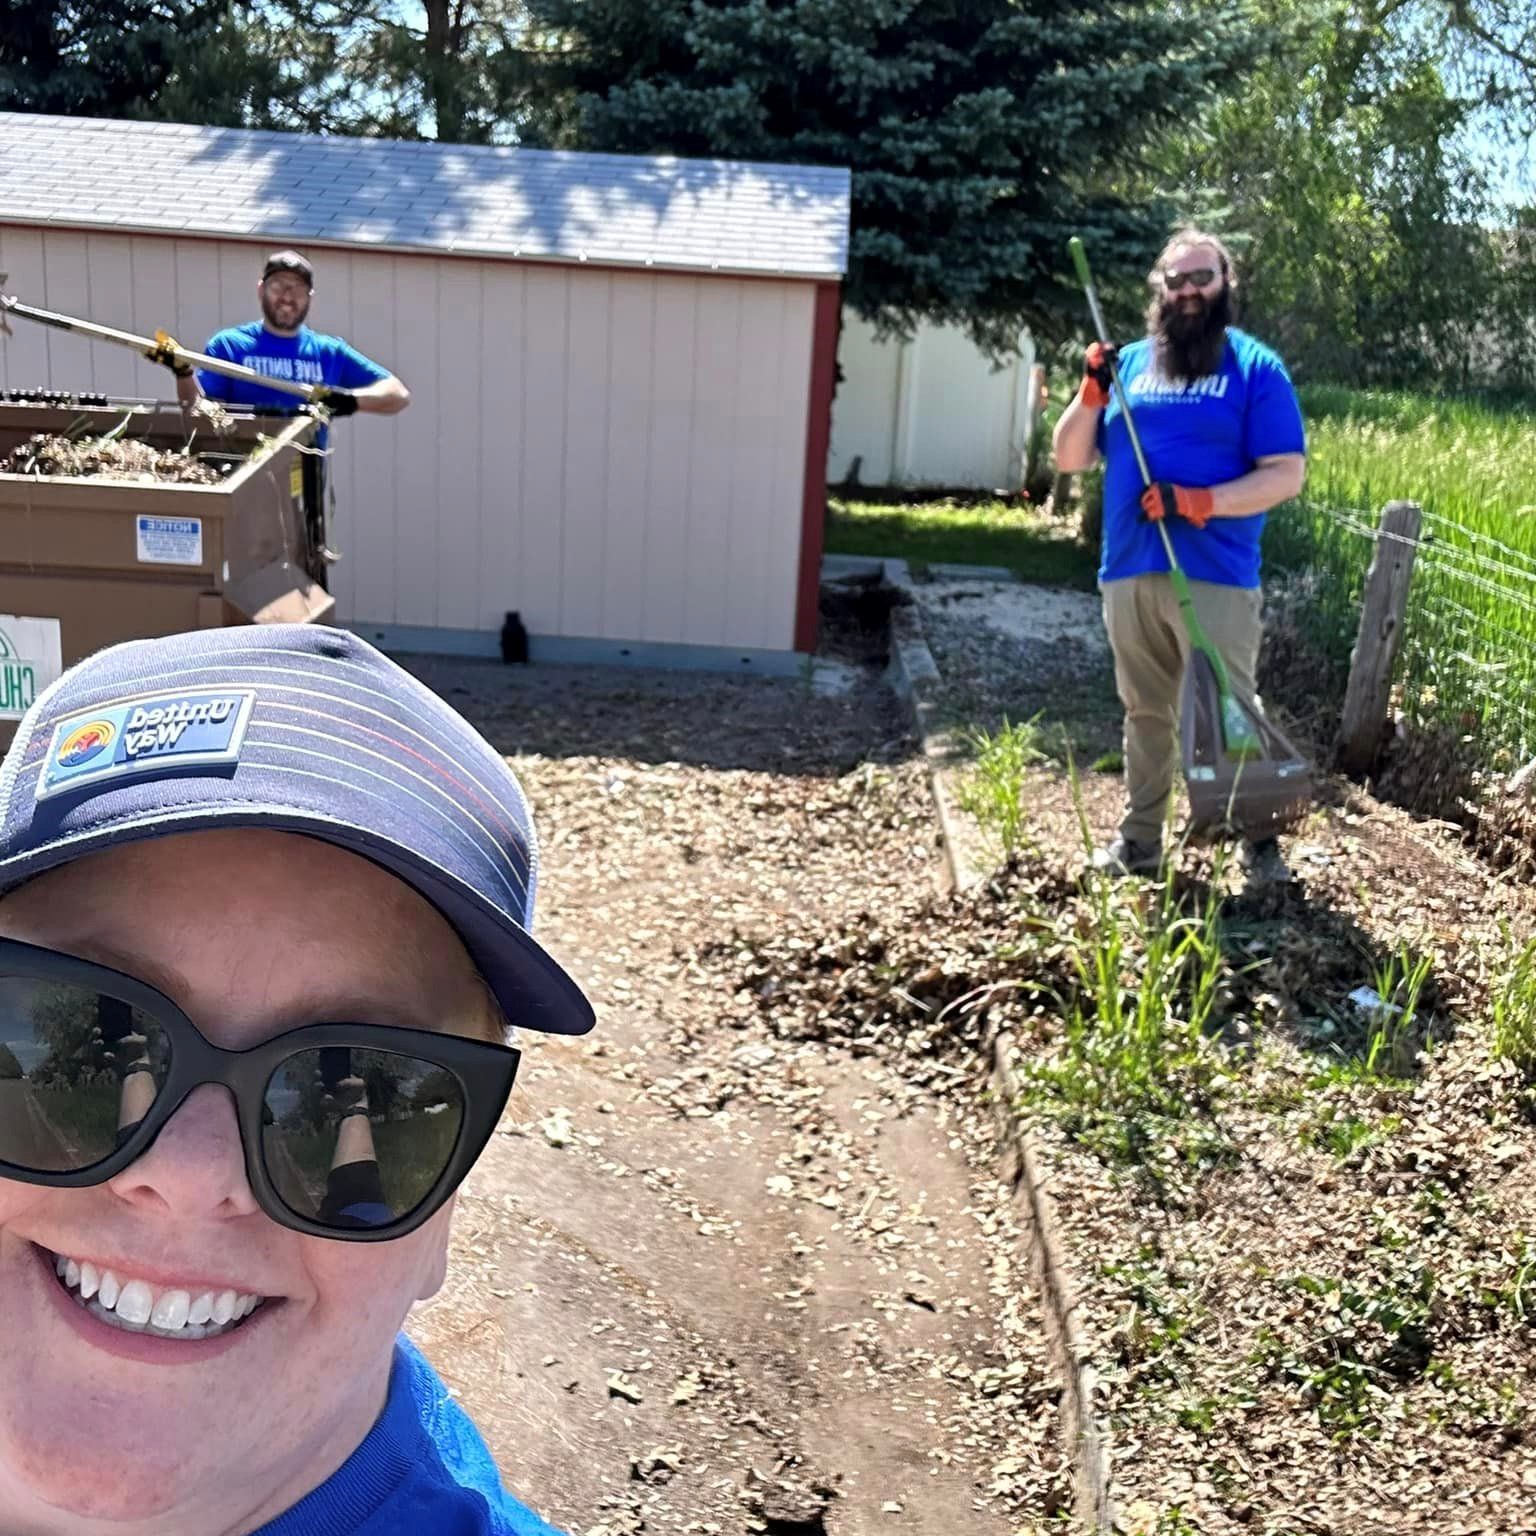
(1009, 651)
(715, 1274)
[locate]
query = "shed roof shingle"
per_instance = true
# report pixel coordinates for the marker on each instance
(624, 210)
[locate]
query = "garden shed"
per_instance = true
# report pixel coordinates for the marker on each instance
(621, 366)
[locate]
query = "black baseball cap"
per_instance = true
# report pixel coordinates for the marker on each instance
(288, 261)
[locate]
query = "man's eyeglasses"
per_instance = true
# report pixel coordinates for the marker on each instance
(1201, 277)
(351, 1131)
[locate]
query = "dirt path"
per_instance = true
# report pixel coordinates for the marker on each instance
(706, 1279)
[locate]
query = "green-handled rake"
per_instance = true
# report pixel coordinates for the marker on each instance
(1243, 775)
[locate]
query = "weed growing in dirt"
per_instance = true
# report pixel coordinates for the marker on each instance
(993, 791)
(1346, 1135)
(1514, 1007)
(1353, 1339)
(1516, 1297)
(1136, 1072)
(1379, 1039)
(1399, 983)
(1158, 1317)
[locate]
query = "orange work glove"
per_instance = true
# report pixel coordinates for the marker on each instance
(1193, 503)
(1094, 392)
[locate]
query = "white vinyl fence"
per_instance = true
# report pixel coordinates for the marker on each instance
(932, 411)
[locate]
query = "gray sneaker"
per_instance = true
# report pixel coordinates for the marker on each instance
(1126, 857)
(1264, 863)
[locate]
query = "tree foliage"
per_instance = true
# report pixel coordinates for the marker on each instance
(408, 69)
(97, 58)
(971, 126)
(1369, 234)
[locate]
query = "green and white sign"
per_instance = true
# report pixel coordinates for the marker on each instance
(31, 657)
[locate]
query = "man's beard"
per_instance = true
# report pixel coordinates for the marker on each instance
(1189, 344)
(270, 315)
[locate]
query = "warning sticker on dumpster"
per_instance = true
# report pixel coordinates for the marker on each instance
(31, 657)
(171, 540)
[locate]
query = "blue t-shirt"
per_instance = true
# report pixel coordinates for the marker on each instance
(308, 358)
(1203, 433)
(423, 1467)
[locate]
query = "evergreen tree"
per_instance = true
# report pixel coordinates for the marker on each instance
(97, 58)
(975, 129)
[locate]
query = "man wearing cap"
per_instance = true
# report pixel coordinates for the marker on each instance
(264, 935)
(282, 346)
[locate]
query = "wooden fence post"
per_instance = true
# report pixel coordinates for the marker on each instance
(1381, 634)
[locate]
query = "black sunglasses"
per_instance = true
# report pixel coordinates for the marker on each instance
(352, 1131)
(1201, 277)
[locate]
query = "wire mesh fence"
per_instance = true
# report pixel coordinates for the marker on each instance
(1468, 658)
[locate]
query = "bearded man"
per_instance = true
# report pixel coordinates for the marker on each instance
(1222, 431)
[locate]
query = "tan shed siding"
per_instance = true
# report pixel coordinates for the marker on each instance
(24, 355)
(774, 390)
(712, 489)
(367, 494)
(617, 455)
(407, 344)
(499, 511)
(583, 551)
(675, 409)
(546, 323)
(461, 460)
(632, 323)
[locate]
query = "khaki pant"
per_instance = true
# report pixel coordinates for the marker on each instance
(1151, 649)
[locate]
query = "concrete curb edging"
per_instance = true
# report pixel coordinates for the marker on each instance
(1088, 1440)
(916, 680)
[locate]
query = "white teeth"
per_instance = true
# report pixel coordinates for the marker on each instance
(138, 1307)
(171, 1310)
(135, 1303)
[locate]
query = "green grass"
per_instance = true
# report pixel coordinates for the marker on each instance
(1514, 1006)
(993, 791)
(411, 1153)
(962, 531)
(1137, 1060)
(1468, 664)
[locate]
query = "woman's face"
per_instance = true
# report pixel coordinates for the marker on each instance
(251, 933)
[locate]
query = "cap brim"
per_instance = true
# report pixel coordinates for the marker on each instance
(529, 985)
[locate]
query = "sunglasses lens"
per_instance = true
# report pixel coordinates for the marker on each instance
(78, 1071)
(357, 1138)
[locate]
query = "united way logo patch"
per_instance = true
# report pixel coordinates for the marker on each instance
(85, 742)
(154, 735)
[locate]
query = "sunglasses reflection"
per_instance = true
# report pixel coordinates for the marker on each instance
(348, 1137)
(353, 1195)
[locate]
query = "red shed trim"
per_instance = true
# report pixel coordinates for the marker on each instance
(818, 441)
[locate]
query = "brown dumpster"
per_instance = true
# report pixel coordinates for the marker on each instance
(113, 559)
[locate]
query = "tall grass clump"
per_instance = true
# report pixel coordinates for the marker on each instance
(1514, 1007)
(1137, 1065)
(993, 791)
(1468, 663)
